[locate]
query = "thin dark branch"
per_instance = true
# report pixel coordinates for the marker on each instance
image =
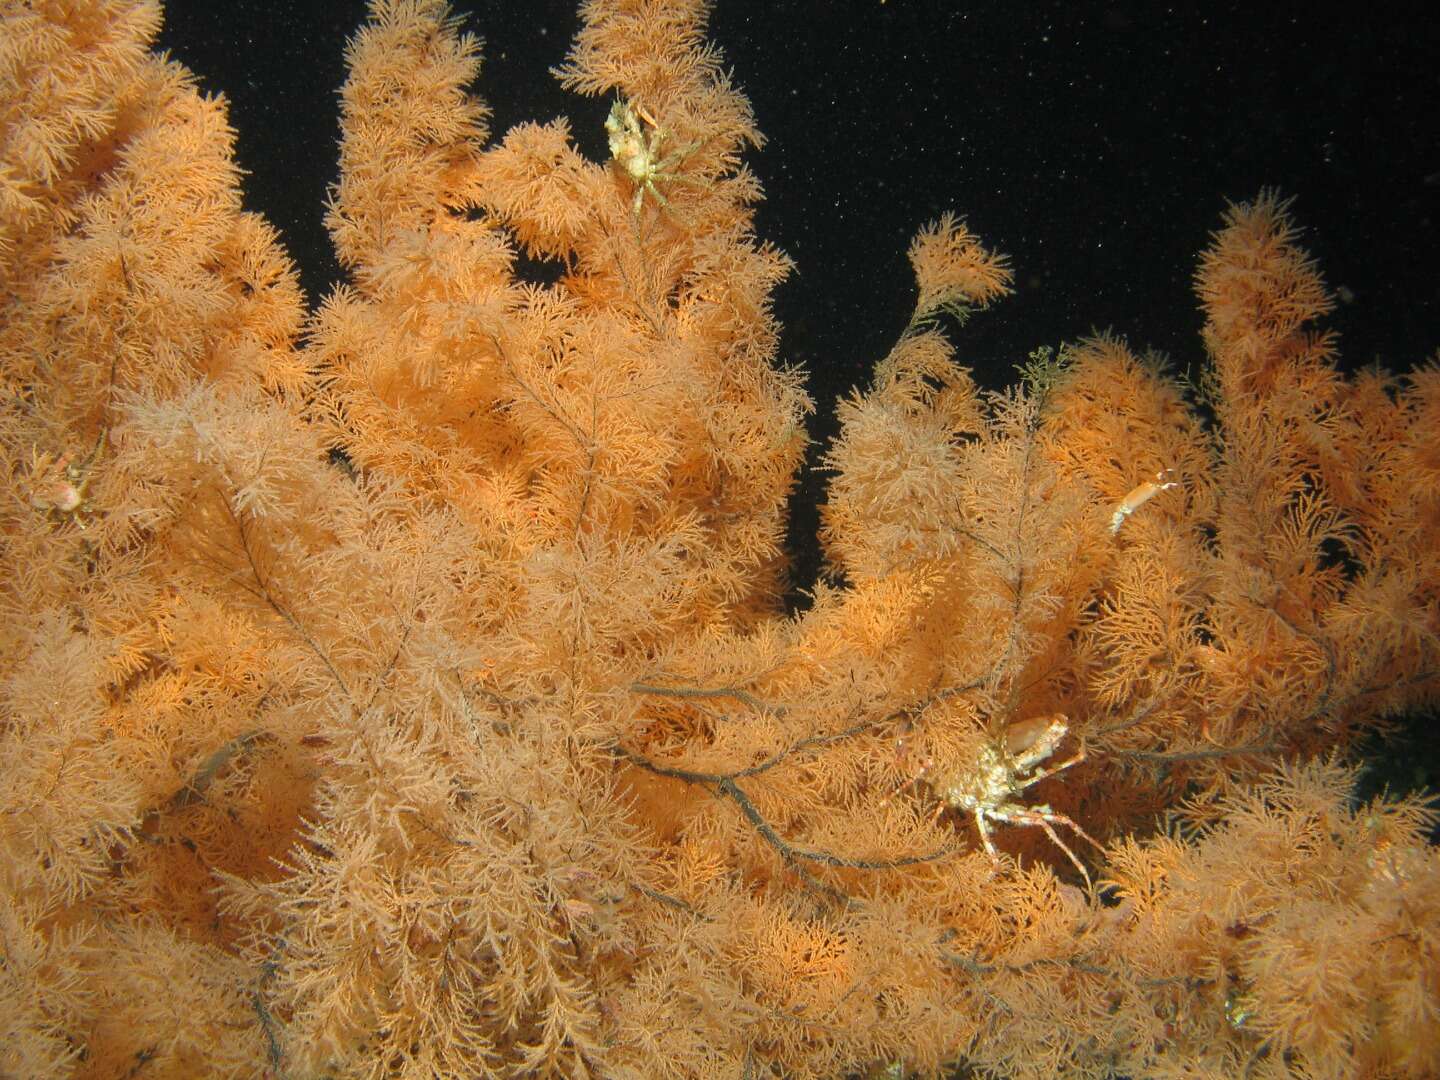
(805, 744)
(384, 674)
(1196, 755)
(743, 696)
(794, 856)
(669, 901)
(1138, 716)
(268, 596)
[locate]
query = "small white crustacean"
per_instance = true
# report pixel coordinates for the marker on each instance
(1139, 495)
(639, 155)
(989, 787)
(58, 485)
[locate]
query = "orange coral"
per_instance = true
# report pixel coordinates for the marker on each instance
(413, 696)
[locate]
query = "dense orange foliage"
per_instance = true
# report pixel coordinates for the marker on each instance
(400, 687)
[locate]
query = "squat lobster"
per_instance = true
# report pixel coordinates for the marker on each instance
(640, 156)
(57, 485)
(988, 787)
